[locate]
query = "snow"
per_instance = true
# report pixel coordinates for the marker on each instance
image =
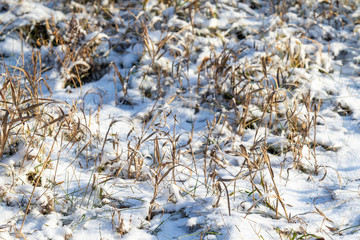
(171, 164)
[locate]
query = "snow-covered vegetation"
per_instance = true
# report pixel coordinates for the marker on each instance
(183, 119)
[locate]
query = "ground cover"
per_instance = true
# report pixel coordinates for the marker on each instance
(179, 119)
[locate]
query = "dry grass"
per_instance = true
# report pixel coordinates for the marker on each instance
(248, 96)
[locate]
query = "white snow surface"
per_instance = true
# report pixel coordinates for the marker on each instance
(90, 195)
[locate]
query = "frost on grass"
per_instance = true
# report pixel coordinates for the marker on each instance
(179, 119)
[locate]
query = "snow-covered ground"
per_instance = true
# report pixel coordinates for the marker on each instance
(180, 119)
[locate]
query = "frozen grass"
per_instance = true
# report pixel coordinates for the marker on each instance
(179, 119)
